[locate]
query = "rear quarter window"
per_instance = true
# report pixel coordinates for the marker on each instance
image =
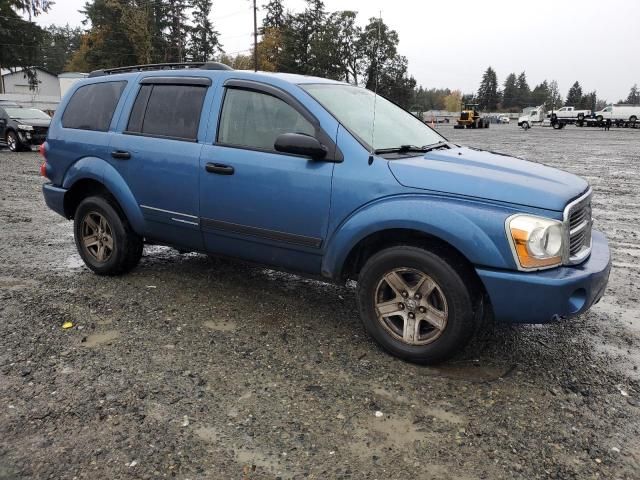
(91, 107)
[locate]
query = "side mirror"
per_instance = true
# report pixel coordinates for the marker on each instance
(300, 144)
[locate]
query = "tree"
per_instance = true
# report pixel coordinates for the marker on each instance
(178, 29)
(21, 39)
(510, 92)
(634, 95)
(203, 39)
(555, 99)
(349, 48)
(488, 97)
(274, 16)
(588, 101)
(523, 93)
(541, 95)
(58, 45)
(453, 101)
(574, 97)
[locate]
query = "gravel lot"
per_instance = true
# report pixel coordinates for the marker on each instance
(194, 368)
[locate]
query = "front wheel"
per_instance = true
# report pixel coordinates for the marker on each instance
(13, 142)
(525, 125)
(415, 304)
(105, 240)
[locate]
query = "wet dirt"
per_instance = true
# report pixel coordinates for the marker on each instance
(198, 368)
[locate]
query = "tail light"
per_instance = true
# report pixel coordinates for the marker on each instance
(42, 150)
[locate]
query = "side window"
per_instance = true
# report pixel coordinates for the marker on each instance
(92, 106)
(167, 111)
(254, 119)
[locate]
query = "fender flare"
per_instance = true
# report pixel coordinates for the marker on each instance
(473, 228)
(93, 168)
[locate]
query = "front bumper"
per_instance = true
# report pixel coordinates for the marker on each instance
(54, 198)
(31, 138)
(539, 297)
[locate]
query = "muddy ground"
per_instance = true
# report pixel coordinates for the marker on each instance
(193, 368)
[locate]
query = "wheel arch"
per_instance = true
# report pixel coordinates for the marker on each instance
(90, 176)
(468, 231)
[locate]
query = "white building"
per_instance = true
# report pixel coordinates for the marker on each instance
(49, 89)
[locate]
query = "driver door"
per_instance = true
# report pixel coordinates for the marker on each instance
(257, 203)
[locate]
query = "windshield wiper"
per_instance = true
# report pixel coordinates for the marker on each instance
(411, 148)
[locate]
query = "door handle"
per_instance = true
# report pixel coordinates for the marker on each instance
(219, 168)
(121, 155)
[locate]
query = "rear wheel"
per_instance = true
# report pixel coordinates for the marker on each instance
(632, 120)
(415, 304)
(104, 238)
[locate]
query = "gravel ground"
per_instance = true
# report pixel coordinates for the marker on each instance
(193, 368)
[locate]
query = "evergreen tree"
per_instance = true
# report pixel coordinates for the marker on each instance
(488, 92)
(634, 95)
(178, 29)
(541, 95)
(58, 45)
(510, 92)
(274, 16)
(203, 39)
(574, 97)
(523, 94)
(588, 101)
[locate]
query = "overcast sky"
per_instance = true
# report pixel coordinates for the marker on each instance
(450, 44)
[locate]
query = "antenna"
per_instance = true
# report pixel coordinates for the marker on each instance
(375, 92)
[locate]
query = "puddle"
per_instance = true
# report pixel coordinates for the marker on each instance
(247, 458)
(96, 339)
(469, 371)
(73, 262)
(220, 325)
(10, 283)
(208, 434)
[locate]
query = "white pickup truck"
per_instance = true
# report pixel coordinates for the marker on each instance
(571, 112)
(619, 113)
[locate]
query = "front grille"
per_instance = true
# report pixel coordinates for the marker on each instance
(578, 221)
(40, 130)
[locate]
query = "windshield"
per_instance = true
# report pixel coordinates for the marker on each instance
(353, 107)
(27, 113)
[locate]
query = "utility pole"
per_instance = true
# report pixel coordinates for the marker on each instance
(255, 37)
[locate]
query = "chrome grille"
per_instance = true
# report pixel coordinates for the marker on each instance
(578, 221)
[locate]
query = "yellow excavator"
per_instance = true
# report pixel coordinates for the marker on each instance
(470, 117)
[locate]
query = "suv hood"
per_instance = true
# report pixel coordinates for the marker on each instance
(488, 175)
(33, 122)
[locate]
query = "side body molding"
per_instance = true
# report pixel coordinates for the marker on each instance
(96, 169)
(469, 226)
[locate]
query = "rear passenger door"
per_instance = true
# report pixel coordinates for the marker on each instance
(158, 154)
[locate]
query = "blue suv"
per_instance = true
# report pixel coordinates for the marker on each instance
(325, 179)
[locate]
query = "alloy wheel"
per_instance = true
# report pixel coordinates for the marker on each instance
(411, 306)
(97, 236)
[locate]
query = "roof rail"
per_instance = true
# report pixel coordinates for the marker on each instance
(161, 66)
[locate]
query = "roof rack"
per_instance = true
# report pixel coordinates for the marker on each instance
(161, 66)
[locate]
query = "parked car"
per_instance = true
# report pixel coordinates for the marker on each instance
(20, 128)
(570, 112)
(503, 119)
(619, 113)
(287, 170)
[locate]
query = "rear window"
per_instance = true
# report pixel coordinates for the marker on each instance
(92, 106)
(171, 111)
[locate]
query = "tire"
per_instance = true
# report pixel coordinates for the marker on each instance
(632, 120)
(525, 125)
(104, 239)
(556, 125)
(599, 118)
(13, 142)
(581, 116)
(449, 305)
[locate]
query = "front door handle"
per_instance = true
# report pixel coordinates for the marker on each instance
(121, 155)
(219, 168)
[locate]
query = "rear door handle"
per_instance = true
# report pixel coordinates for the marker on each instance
(219, 168)
(121, 155)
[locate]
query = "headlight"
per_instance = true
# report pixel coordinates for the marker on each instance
(27, 128)
(536, 242)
